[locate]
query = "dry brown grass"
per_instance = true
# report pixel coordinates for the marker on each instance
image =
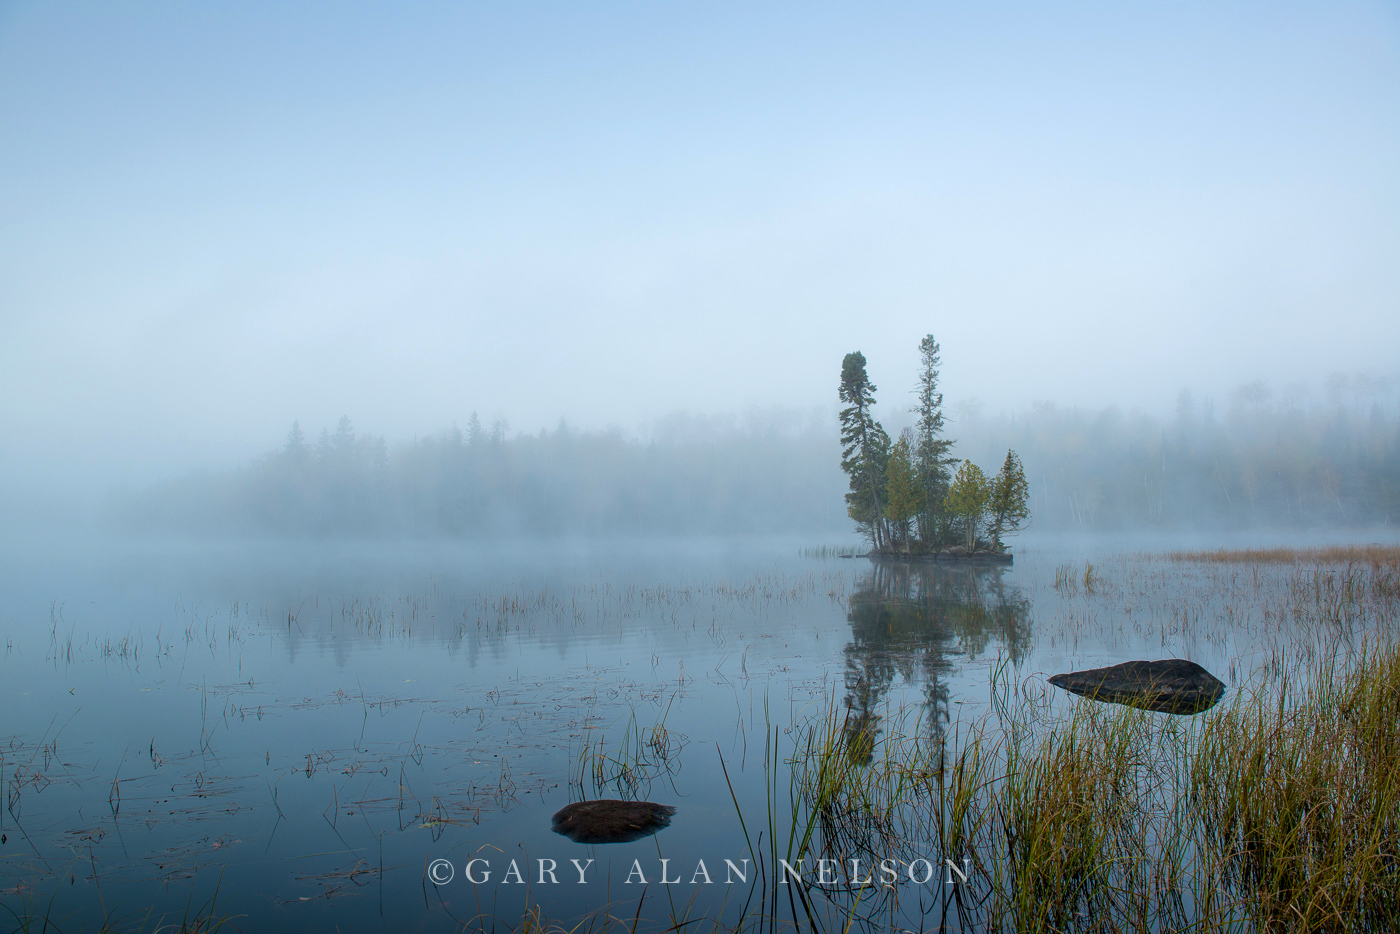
(1333, 554)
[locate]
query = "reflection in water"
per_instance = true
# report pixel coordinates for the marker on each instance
(908, 619)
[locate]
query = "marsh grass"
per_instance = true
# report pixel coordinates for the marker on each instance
(628, 768)
(832, 551)
(1345, 586)
(1069, 579)
(1278, 811)
(848, 798)
(204, 918)
(1332, 554)
(1297, 791)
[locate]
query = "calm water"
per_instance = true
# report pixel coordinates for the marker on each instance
(297, 733)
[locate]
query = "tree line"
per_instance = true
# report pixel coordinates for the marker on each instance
(1260, 460)
(904, 496)
(1255, 461)
(769, 471)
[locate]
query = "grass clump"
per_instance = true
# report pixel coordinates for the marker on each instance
(627, 770)
(832, 551)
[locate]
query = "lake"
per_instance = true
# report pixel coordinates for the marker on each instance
(373, 737)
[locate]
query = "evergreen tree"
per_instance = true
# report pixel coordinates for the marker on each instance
(295, 448)
(967, 499)
(475, 433)
(344, 439)
(931, 454)
(1010, 500)
(864, 450)
(903, 492)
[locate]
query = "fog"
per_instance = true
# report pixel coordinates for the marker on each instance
(653, 232)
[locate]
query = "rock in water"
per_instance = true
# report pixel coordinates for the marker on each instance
(609, 821)
(1172, 685)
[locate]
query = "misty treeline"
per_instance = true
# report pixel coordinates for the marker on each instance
(768, 471)
(1258, 461)
(1254, 461)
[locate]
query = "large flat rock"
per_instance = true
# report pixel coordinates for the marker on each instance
(1171, 685)
(610, 821)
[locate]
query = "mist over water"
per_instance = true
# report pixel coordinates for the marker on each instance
(1258, 464)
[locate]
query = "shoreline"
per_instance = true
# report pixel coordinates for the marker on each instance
(986, 557)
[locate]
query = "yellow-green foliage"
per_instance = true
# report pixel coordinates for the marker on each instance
(968, 497)
(902, 489)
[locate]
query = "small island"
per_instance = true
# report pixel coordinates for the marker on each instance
(905, 497)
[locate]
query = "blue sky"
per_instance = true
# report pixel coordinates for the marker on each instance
(216, 218)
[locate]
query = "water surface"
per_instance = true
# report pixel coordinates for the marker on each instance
(294, 735)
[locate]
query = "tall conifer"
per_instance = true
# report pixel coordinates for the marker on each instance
(865, 448)
(932, 451)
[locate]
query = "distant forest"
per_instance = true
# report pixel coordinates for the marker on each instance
(1257, 463)
(766, 472)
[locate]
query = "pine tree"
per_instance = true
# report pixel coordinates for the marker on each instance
(344, 438)
(967, 499)
(1010, 499)
(903, 491)
(931, 453)
(865, 448)
(295, 449)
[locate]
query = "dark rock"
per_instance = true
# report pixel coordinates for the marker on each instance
(1172, 685)
(609, 821)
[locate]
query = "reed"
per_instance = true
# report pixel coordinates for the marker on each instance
(831, 551)
(205, 918)
(628, 769)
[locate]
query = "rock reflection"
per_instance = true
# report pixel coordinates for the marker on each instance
(910, 621)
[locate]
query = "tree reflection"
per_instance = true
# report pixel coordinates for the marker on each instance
(908, 621)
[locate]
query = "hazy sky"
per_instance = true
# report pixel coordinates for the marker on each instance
(216, 218)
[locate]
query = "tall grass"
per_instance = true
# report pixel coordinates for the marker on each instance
(1278, 811)
(1298, 792)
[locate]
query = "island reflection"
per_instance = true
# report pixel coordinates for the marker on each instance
(910, 621)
